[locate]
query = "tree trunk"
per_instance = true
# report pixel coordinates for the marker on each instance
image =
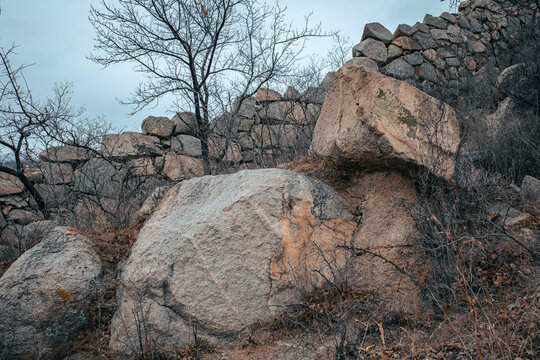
(30, 188)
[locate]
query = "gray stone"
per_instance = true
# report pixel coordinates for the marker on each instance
(23, 216)
(45, 293)
(440, 64)
(200, 259)
(187, 145)
(131, 144)
(463, 22)
(378, 32)
(426, 71)
(364, 61)
(185, 123)
(476, 26)
(421, 27)
(453, 31)
(67, 153)
(435, 22)
(414, 59)
(158, 126)
(506, 216)
(34, 232)
(530, 194)
(448, 17)
(314, 95)
(425, 40)
(292, 94)
(453, 61)
(399, 69)
(394, 52)
(373, 49)
(100, 177)
(519, 81)
(57, 173)
(404, 30)
(407, 44)
(439, 34)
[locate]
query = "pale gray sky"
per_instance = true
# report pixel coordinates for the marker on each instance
(56, 37)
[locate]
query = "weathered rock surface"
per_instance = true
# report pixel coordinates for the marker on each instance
(388, 203)
(371, 120)
(131, 144)
(185, 123)
(57, 173)
(187, 145)
(100, 177)
(10, 185)
(226, 252)
(265, 94)
(44, 293)
(158, 126)
(378, 32)
(530, 194)
(180, 167)
(371, 48)
(65, 153)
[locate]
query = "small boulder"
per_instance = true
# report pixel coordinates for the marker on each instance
(45, 293)
(399, 69)
(185, 123)
(406, 43)
(158, 126)
(10, 185)
(187, 145)
(179, 167)
(378, 32)
(67, 153)
(404, 30)
(131, 144)
(371, 48)
(266, 94)
(435, 22)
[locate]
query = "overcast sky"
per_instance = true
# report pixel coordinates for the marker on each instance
(56, 37)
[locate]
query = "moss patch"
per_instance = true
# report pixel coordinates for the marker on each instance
(394, 105)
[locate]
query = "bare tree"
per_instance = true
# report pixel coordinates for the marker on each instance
(202, 58)
(28, 125)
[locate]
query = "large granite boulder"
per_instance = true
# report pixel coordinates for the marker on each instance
(225, 252)
(44, 295)
(370, 120)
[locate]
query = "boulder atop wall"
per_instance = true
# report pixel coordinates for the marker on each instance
(158, 126)
(131, 144)
(378, 32)
(266, 94)
(226, 252)
(43, 295)
(66, 153)
(373, 121)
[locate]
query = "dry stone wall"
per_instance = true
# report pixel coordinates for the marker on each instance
(268, 128)
(448, 49)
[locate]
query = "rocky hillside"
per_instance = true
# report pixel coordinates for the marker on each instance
(376, 216)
